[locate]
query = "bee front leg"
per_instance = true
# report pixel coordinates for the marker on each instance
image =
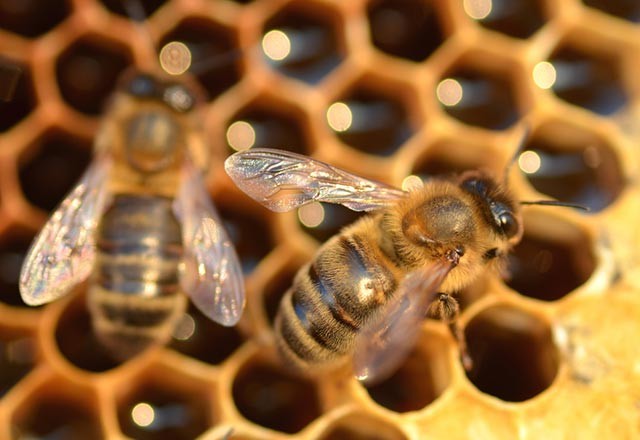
(447, 309)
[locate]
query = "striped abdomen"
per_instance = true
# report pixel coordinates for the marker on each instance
(135, 298)
(332, 297)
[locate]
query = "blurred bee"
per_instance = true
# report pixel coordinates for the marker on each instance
(368, 288)
(140, 225)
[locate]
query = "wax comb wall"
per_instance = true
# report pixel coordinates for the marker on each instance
(386, 89)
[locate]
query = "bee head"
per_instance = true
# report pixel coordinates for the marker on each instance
(153, 122)
(497, 206)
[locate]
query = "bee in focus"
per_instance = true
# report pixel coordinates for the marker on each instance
(140, 225)
(363, 296)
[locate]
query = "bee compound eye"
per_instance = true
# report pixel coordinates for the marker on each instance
(179, 98)
(508, 224)
(475, 186)
(142, 86)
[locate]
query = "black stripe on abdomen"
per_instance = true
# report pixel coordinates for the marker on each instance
(139, 245)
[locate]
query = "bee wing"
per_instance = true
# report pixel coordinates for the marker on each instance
(386, 341)
(282, 181)
(63, 253)
(212, 275)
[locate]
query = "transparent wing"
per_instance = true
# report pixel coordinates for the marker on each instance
(63, 253)
(282, 181)
(212, 276)
(383, 344)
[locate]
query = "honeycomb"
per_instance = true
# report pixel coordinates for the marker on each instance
(386, 89)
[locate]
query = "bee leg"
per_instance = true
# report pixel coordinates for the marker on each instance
(447, 309)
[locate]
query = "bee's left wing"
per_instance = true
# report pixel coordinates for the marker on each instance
(62, 254)
(386, 341)
(282, 181)
(212, 275)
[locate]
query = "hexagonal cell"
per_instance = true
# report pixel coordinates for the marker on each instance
(77, 341)
(362, 427)
(274, 289)
(87, 72)
(56, 164)
(270, 397)
(17, 357)
(267, 123)
(18, 99)
(161, 407)
(514, 357)
(553, 258)
(13, 248)
(249, 233)
(372, 119)
(517, 18)
(479, 97)
(195, 332)
(589, 78)
(32, 19)
(312, 36)
(448, 158)
(144, 8)
(54, 413)
(627, 9)
(407, 28)
(324, 220)
(214, 50)
(572, 165)
(421, 378)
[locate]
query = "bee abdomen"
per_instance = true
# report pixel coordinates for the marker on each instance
(135, 298)
(126, 324)
(330, 300)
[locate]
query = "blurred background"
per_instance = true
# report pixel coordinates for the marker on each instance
(394, 90)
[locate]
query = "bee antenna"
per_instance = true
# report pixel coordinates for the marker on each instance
(522, 142)
(220, 59)
(555, 203)
(136, 13)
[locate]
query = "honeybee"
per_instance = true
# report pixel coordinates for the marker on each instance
(363, 296)
(140, 225)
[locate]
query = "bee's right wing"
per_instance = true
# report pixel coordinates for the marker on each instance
(62, 254)
(386, 341)
(282, 181)
(212, 275)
